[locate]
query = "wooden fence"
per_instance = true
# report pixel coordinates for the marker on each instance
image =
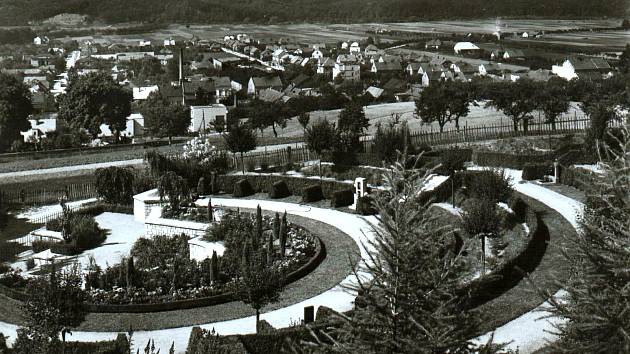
(278, 157)
(468, 134)
(40, 196)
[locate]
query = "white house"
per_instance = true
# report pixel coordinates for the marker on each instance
(317, 54)
(371, 50)
(582, 67)
(344, 45)
(203, 118)
(462, 47)
(144, 43)
(133, 129)
(41, 40)
(39, 128)
(169, 42)
(347, 67)
(355, 48)
(142, 93)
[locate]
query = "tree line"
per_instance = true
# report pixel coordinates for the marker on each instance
(258, 11)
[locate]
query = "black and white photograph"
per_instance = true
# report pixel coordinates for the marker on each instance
(314, 177)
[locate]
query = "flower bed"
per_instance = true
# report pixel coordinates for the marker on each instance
(160, 270)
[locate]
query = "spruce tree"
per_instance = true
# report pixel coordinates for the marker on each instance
(408, 300)
(276, 226)
(210, 213)
(214, 267)
(130, 273)
(596, 305)
(270, 249)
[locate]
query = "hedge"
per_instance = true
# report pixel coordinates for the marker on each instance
(263, 183)
(579, 178)
(500, 159)
(118, 346)
(279, 190)
(242, 188)
(312, 194)
(513, 267)
(365, 206)
(342, 198)
(534, 171)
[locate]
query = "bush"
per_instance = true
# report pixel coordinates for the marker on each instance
(85, 232)
(453, 160)
(533, 171)
(115, 184)
(342, 198)
(500, 159)
(54, 225)
(242, 188)
(30, 263)
(365, 206)
(279, 190)
(493, 185)
(312, 194)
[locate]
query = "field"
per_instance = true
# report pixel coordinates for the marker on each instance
(315, 33)
(617, 39)
(382, 114)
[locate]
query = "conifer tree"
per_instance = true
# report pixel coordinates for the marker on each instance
(283, 235)
(210, 213)
(596, 305)
(214, 267)
(408, 300)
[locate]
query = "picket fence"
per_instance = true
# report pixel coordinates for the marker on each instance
(41, 196)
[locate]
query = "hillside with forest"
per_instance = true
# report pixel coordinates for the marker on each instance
(20, 12)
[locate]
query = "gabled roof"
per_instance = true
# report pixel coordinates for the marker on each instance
(371, 47)
(327, 62)
(388, 66)
(267, 82)
(395, 85)
(221, 82)
(514, 53)
(582, 63)
(374, 91)
(270, 95)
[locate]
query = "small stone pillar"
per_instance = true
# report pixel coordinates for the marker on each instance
(556, 172)
(359, 190)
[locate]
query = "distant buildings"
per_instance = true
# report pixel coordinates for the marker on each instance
(205, 118)
(582, 67)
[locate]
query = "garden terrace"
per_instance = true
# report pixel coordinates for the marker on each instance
(331, 271)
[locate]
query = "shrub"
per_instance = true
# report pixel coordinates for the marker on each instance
(279, 190)
(312, 194)
(174, 187)
(519, 207)
(533, 171)
(54, 225)
(85, 232)
(342, 198)
(201, 186)
(391, 140)
(115, 184)
(453, 160)
(493, 185)
(9, 250)
(30, 263)
(242, 188)
(365, 206)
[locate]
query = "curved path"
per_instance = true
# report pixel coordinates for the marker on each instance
(357, 227)
(526, 333)
(531, 331)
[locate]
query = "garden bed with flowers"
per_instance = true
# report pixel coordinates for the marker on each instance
(160, 270)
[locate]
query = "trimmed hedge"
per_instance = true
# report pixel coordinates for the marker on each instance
(279, 190)
(365, 206)
(500, 159)
(312, 194)
(534, 171)
(513, 267)
(118, 346)
(579, 178)
(242, 188)
(263, 183)
(342, 198)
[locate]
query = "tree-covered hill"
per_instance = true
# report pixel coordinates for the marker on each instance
(19, 12)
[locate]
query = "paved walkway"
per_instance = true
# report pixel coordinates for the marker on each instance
(530, 331)
(357, 227)
(527, 333)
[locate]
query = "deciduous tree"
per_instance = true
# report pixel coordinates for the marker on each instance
(15, 107)
(95, 99)
(240, 139)
(164, 118)
(516, 100)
